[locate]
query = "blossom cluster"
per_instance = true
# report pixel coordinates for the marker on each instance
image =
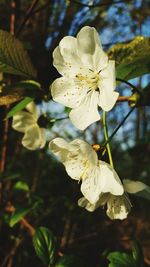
(88, 83)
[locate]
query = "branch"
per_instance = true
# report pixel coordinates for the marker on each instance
(27, 16)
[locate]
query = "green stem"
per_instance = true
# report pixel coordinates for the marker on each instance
(118, 127)
(107, 140)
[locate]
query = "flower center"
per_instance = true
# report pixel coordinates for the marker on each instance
(89, 80)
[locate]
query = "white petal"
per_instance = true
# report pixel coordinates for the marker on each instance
(31, 107)
(84, 203)
(90, 49)
(107, 84)
(22, 120)
(65, 91)
(110, 179)
(76, 156)
(118, 207)
(86, 150)
(66, 66)
(133, 187)
(60, 148)
(34, 138)
(69, 52)
(92, 186)
(87, 112)
(107, 99)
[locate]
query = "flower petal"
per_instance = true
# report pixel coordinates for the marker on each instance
(66, 92)
(118, 207)
(65, 65)
(90, 49)
(87, 112)
(22, 120)
(133, 187)
(31, 107)
(84, 203)
(60, 148)
(92, 185)
(110, 180)
(34, 137)
(74, 155)
(107, 84)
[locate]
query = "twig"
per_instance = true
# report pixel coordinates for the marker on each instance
(9, 258)
(6, 123)
(27, 16)
(123, 98)
(118, 127)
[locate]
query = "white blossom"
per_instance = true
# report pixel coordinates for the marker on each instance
(88, 77)
(118, 207)
(27, 122)
(82, 164)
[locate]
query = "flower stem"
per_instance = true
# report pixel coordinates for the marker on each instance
(107, 139)
(117, 128)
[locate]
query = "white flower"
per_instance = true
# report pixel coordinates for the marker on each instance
(118, 207)
(82, 164)
(26, 122)
(88, 77)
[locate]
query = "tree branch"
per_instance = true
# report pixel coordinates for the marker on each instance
(27, 16)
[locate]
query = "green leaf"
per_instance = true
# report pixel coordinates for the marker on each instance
(137, 253)
(19, 106)
(132, 59)
(21, 186)
(13, 57)
(45, 245)
(69, 261)
(18, 215)
(118, 259)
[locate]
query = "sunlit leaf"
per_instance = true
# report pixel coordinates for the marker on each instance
(13, 57)
(18, 215)
(118, 259)
(21, 186)
(137, 253)
(45, 245)
(132, 59)
(19, 106)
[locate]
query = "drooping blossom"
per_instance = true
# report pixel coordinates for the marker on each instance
(82, 164)
(27, 122)
(118, 207)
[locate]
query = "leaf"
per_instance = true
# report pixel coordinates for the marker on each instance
(21, 186)
(132, 59)
(45, 245)
(19, 106)
(118, 259)
(10, 96)
(18, 215)
(69, 261)
(137, 253)
(144, 193)
(17, 91)
(13, 57)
